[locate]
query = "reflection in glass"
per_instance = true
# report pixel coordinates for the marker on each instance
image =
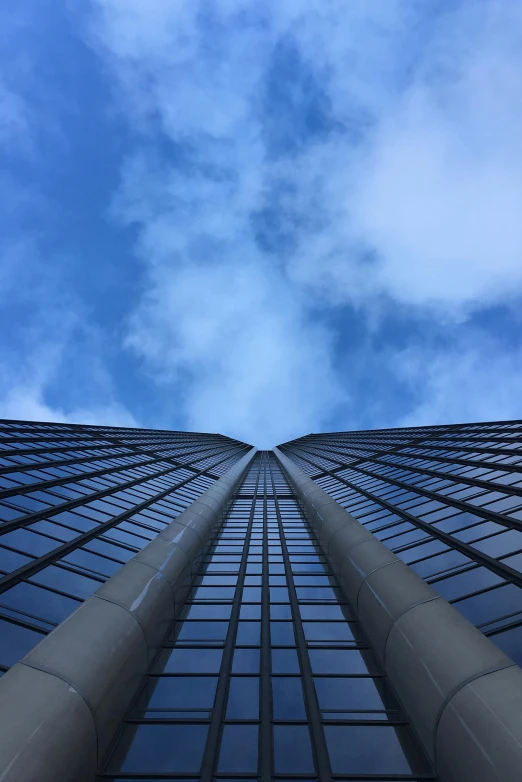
(238, 749)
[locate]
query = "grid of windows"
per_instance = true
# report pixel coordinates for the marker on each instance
(77, 502)
(265, 673)
(447, 500)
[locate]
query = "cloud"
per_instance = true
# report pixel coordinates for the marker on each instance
(52, 361)
(30, 387)
(474, 380)
(304, 155)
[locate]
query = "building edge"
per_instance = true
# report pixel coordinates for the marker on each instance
(61, 705)
(462, 694)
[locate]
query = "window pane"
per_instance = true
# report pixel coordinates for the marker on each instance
(194, 661)
(282, 634)
(162, 748)
(248, 633)
(287, 699)
(243, 699)
(352, 694)
(338, 661)
(202, 631)
(39, 602)
(492, 604)
(15, 642)
(285, 661)
(292, 750)
(180, 693)
(510, 642)
(321, 612)
(360, 749)
(246, 661)
(327, 631)
(465, 583)
(67, 581)
(238, 749)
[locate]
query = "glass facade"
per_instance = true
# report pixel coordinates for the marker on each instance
(77, 502)
(266, 673)
(447, 500)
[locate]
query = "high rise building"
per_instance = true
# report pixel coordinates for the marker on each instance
(181, 606)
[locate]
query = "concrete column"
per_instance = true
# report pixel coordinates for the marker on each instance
(462, 694)
(61, 705)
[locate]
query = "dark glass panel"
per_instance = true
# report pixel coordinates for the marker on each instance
(160, 749)
(499, 545)
(343, 661)
(285, 661)
(331, 612)
(282, 634)
(447, 561)
(250, 612)
(361, 749)
(29, 542)
(11, 560)
(421, 551)
(202, 631)
(179, 693)
(287, 699)
(243, 698)
(248, 634)
(510, 641)
(238, 749)
(93, 562)
(245, 661)
(193, 661)
(491, 604)
(292, 750)
(207, 612)
(15, 642)
(66, 581)
(465, 583)
(37, 601)
(280, 612)
(327, 631)
(351, 694)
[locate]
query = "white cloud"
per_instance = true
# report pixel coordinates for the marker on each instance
(26, 403)
(474, 380)
(27, 385)
(416, 203)
(240, 347)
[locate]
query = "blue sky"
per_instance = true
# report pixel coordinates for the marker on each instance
(261, 218)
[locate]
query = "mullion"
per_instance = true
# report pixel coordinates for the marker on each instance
(131, 448)
(488, 451)
(476, 510)
(397, 450)
(213, 743)
(483, 464)
(456, 478)
(120, 453)
(305, 440)
(493, 564)
(7, 581)
(318, 741)
(26, 488)
(266, 697)
(71, 504)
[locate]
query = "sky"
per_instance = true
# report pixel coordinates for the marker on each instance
(261, 218)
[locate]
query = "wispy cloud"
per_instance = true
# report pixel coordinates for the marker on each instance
(315, 223)
(304, 155)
